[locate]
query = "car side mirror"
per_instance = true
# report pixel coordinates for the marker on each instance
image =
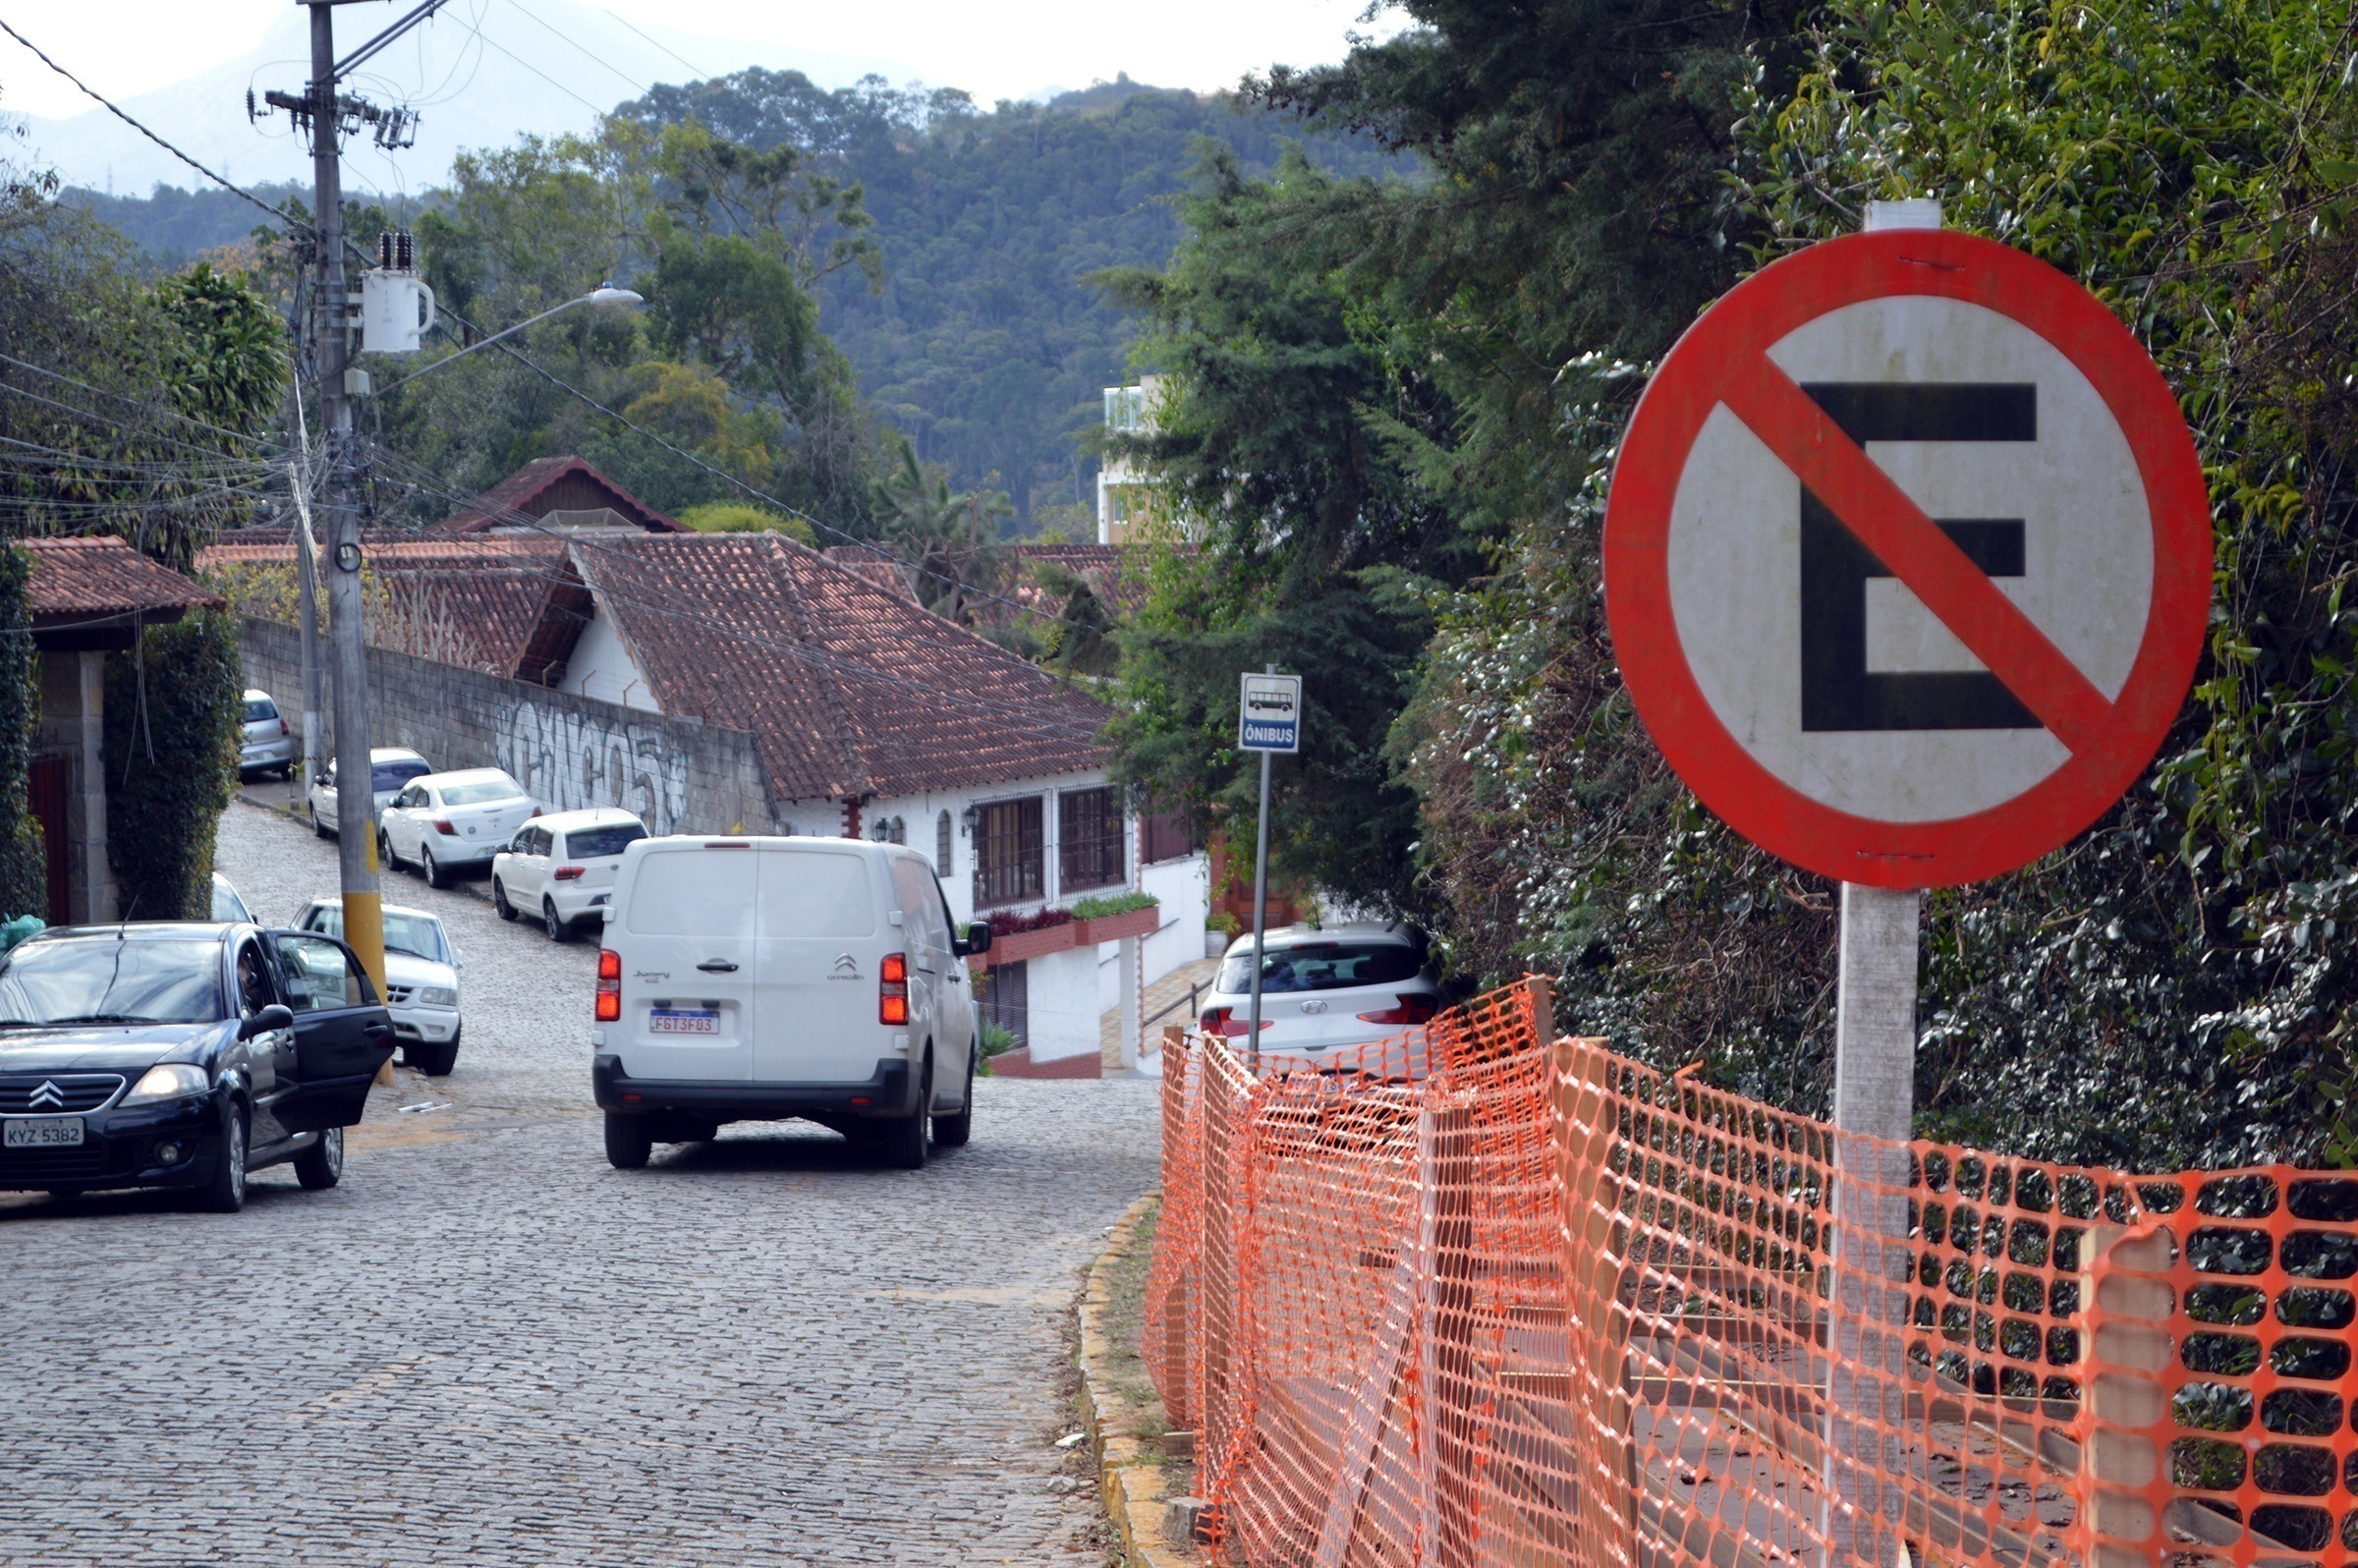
(269, 1020)
(978, 939)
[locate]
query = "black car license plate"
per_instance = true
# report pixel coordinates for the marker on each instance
(42, 1131)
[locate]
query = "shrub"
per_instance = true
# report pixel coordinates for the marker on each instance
(742, 517)
(1098, 908)
(173, 706)
(1038, 921)
(24, 859)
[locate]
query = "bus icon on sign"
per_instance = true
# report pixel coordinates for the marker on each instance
(1269, 713)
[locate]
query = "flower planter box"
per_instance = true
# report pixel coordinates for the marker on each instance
(1017, 947)
(1113, 928)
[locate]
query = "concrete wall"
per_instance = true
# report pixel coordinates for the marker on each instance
(568, 751)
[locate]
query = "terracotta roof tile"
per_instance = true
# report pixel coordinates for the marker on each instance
(553, 485)
(95, 578)
(849, 688)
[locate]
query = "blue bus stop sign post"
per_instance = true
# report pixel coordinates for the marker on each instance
(1268, 720)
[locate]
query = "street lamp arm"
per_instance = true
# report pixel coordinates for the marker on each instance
(605, 294)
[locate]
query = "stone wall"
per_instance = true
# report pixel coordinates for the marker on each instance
(568, 751)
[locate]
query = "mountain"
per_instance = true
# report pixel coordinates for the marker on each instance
(477, 76)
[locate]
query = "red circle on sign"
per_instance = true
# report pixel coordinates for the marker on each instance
(1732, 337)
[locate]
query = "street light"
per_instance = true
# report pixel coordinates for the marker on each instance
(603, 294)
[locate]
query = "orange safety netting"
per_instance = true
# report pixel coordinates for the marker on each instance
(1547, 1305)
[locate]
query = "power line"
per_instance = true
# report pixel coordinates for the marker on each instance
(675, 54)
(537, 71)
(119, 114)
(579, 47)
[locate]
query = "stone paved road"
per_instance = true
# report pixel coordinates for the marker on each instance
(486, 1347)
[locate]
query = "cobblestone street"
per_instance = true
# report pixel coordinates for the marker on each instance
(488, 1347)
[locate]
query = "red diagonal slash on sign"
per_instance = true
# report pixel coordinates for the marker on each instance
(1915, 551)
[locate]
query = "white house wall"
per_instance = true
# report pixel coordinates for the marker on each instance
(601, 667)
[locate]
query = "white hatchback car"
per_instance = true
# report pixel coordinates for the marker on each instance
(422, 980)
(1342, 998)
(562, 867)
(393, 766)
(443, 821)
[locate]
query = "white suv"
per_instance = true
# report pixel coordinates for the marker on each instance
(1341, 998)
(760, 978)
(562, 867)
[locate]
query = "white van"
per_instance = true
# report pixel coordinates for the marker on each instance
(758, 979)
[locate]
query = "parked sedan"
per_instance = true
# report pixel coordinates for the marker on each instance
(393, 766)
(181, 1054)
(422, 980)
(267, 743)
(443, 821)
(1343, 998)
(563, 867)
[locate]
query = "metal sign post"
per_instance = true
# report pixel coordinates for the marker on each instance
(1908, 563)
(1268, 720)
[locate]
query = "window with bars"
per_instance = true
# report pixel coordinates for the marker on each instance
(945, 841)
(1088, 836)
(1009, 861)
(1004, 996)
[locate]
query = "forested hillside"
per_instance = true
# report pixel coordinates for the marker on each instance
(982, 339)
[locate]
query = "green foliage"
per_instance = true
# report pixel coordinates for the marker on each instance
(739, 517)
(984, 341)
(998, 1039)
(1098, 906)
(172, 708)
(23, 858)
(952, 541)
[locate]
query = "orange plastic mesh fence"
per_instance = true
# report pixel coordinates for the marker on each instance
(1547, 1305)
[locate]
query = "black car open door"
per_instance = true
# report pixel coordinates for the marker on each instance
(342, 1032)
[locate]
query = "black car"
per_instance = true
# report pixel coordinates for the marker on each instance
(166, 1054)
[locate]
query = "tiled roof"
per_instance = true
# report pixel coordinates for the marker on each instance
(508, 604)
(97, 578)
(848, 689)
(1118, 572)
(878, 566)
(553, 485)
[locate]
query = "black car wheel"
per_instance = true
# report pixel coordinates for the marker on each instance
(434, 1060)
(952, 1132)
(558, 931)
(318, 826)
(384, 851)
(499, 900)
(629, 1141)
(903, 1140)
(322, 1165)
(436, 876)
(224, 1191)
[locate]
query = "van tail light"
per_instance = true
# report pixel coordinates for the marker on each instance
(892, 992)
(1224, 1021)
(609, 986)
(446, 828)
(1412, 1010)
(567, 873)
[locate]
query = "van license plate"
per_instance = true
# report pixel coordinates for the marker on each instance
(681, 1021)
(49, 1132)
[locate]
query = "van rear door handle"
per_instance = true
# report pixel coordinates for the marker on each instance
(717, 965)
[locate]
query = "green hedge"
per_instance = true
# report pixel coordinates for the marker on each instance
(24, 859)
(173, 710)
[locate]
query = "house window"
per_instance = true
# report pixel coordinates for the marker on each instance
(1170, 836)
(1008, 863)
(1088, 831)
(945, 839)
(1004, 996)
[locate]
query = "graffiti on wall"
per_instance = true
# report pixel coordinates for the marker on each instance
(568, 761)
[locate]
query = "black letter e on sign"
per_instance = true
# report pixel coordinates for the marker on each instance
(1838, 690)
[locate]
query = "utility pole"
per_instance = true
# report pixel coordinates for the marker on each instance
(307, 577)
(331, 350)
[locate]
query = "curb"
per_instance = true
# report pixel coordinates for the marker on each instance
(1130, 1475)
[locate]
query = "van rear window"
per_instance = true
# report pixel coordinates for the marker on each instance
(693, 893)
(600, 843)
(813, 894)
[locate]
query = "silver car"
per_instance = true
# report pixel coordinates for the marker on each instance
(1339, 998)
(393, 766)
(422, 980)
(267, 743)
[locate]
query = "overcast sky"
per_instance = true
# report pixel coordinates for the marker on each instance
(1011, 49)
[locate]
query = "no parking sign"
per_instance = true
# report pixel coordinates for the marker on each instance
(1908, 558)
